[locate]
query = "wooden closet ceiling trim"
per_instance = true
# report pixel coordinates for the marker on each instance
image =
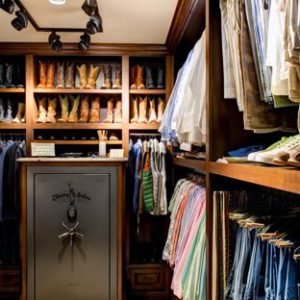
(188, 22)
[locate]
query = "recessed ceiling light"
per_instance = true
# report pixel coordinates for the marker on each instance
(58, 2)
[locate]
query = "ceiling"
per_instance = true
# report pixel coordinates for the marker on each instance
(124, 21)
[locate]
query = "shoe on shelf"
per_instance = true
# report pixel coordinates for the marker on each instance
(84, 110)
(294, 159)
(110, 111)
(8, 117)
(73, 116)
(134, 111)
(43, 74)
(95, 110)
(69, 76)
(64, 104)
(50, 75)
(133, 77)
(20, 113)
(2, 112)
(118, 112)
(117, 81)
(82, 72)
(9, 76)
(113, 137)
(292, 143)
(244, 152)
(92, 77)
(52, 105)
(161, 109)
(107, 77)
(42, 111)
(60, 75)
(2, 76)
(152, 115)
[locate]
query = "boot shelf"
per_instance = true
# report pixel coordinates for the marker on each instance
(4, 126)
(77, 142)
(147, 92)
(12, 90)
(77, 91)
(77, 126)
(144, 126)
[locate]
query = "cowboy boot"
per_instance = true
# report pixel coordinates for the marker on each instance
(50, 76)
(52, 104)
(149, 78)
(107, 77)
(134, 111)
(133, 77)
(84, 110)
(153, 116)
(161, 109)
(142, 110)
(20, 113)
(95, 111)
(160, 78)
(118, 112)
(117, 81)
(139, 77)
(9, 74)
(73, 116)
(64, 104)
(70, 82)
(43, 75)
(42, 111)
(82, 71)
(113, 137)
(60, 76)
(93, 75)
(19, 77)
(110, 111)
(8, 118)
(2, 76)
(1, 110)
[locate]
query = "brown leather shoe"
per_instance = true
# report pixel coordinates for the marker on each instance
(50, 75)
(95, 110)
(43, 74)
(60, 75)
(84, 110)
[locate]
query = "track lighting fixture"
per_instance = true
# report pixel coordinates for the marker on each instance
(84, 43)
(20, 22)
(7, 5)
(90, 7)
(54, 41)
(94, 25)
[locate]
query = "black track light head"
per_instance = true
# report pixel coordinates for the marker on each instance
(94, 25)
(20, 22)
(84, 43)
(54, 41)
(7, 5)
(90, 7)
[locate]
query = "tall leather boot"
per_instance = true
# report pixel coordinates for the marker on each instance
(19, 77)
(8, 117)
(2, 76)
(95, 110)
(60, 75)
(82, 71)
(9, 74)
(134, 111)
(64, 105)
(160, 77)
(133, 77)
(43, 75)
(142, 110)
(140, 77)
(69, 76)
(117, 80)
(1, 110)
(149, 78)
(50, 75)
(93, 75)
(110, 111)
(52, 105)
(107, 77)
(42, 111)
(73, 116)
(20, 114)
(118, 112)
(84, 110)
(153, 116)
(161, 109)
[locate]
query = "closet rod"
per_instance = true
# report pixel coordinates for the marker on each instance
(145, 134)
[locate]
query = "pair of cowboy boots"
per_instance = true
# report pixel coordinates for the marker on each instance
(66, 115)
(87, 113)
(47, 114)
(65, 77)
(137, 77)
(20, 116)
(88, 77)
(6, 116)
(107, 72)
(47, 75)
(139, 110)
(10, 76)
(113, 115)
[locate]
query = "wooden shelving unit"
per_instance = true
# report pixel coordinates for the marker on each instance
(193, 164)
(77, 91)
(143, 126)
(83, 126)
(147, 92)
(12, 126)
(77, 142)
(12, 91)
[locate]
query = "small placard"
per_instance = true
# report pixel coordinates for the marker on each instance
(43, 149)
(116, 153)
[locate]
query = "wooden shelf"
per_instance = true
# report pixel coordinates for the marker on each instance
(4, 126)
(12, 90)
(280, 178)
(76, 142)
(83, 126)
(77, 91)
(195, 164)
(143, 126)
(148, 92)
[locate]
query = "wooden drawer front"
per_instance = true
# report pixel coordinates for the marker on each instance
(147, 279)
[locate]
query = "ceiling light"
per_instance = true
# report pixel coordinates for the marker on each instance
(94, 25)
(20, 22)
(90, 7)
(7, 5)
(84, 43)
(54, 41)
(58, 2)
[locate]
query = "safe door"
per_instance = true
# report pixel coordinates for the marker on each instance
(71, 233)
